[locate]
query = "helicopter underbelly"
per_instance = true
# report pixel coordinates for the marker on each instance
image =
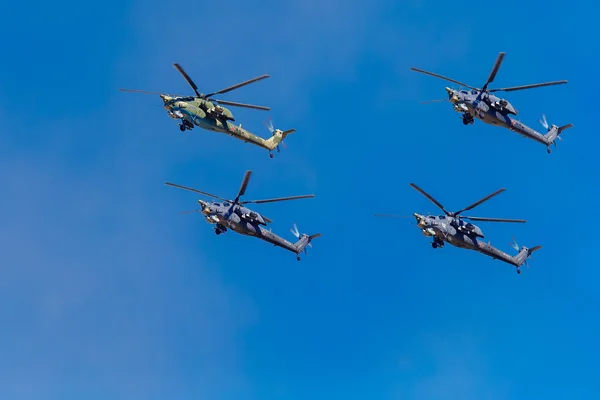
(242, 227)
(493, 117)
(202, 123)
(461, 240)
(205, 124)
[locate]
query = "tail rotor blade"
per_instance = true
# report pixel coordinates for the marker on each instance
(269, 125)
(295, 231)
(514, 244)
(543, 121)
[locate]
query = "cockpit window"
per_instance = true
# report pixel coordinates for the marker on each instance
(225, 204)
(473, 91)
(217, 204)
(442, 217)
(464, 92)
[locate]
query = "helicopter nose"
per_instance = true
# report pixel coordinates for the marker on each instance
(420, 220)
(166, 99)
(205, 207)
(452, 94)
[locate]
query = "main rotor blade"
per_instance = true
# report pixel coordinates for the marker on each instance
(279, 199)
(434, 201)
(138, 91)
(195, 190)
(239, 85)
(244, 185)
(233, 103)
(486, 198)
(443, 77)
(392, 216)
(495, 219)
(432, 101)
(494, 70)
(510, 89)
(187, 78)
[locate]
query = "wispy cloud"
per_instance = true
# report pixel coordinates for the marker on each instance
(449, 367)
(96, 296)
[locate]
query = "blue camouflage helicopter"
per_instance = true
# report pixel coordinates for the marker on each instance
(234, 215)
(493, 110)
(451, 228)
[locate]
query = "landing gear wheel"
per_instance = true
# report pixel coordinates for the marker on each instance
(217, 232)
(467, 119)
(549, 150)
(182, 128)
(434, 245)
(298, 258)
(519, 271)
(271, 155)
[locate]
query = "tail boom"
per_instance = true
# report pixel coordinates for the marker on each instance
(517, 260)
(548, 139)
(277, 240)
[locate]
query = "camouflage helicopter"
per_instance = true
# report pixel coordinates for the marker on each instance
(234, 215)
(452, 228)
(207, 113)
(493, 110)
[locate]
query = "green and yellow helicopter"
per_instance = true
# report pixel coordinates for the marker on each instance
(207, 113)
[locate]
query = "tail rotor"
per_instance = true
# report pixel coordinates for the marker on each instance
(296, 233)
(516, 246)
(545, 124)
(272, 129)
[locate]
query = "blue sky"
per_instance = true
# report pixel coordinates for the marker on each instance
(107, 292)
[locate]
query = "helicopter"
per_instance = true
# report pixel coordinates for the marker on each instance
(452, 228)
(234, 215)
(493, 110)
(207, 113)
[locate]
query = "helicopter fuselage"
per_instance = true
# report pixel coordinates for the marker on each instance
(244, 221)
(446, 229)
(451, 230)
(209, 116)
(492, 110)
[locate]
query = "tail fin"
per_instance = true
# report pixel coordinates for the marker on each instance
(278, 136)
(524, 254)
(303, 240)
(554, 131)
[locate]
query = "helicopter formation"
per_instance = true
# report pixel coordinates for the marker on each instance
(207, 113)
